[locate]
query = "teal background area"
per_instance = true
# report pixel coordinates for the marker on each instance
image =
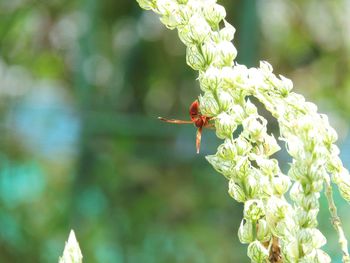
(82, 83)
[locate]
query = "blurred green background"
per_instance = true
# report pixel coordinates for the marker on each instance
(81, 85)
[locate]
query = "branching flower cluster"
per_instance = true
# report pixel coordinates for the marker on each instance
(275, 230)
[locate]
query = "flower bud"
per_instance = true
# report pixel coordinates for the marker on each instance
(250, 108)
(209, 52)
(242, 146)
(286, 86)
(194, 58)
(253, 210)
(165, 7)
(182, 2)
(225, 99)
(255, 127)
(236, 192)
(257, 252)
(147, 4)
(71, 253)
(281, 184)
(263, 233)
(226, 53)
(267, 166)
(208, 104)
(227, 150)
(245, 232)
(228, 32)
(222, 166)
(197, 31)
(210, 79)
(225, 125)
(214, 13)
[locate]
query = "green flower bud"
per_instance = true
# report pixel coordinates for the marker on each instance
(166, 6)
(237, 111)
(227, 150)
(210, 79)
(281, 184)
(268, 166)
(208, 104)
(182, 2)
(307, 218)
(254, 210)
(286, 86)
(245, 232)
(226, 53)
(225, 125)
(214, 13)
(257, 252)
(225, 99)
(147, 4)
(242, 145)
(196, 31)
(255, 127)
(250, 108)
(195, 59)
(228, 32)
(263, 233)
(222, 166)
(209, 51)
(236, 192)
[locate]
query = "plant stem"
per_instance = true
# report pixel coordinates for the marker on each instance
(336, 222)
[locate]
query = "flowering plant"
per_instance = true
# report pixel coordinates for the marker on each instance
(276, 230)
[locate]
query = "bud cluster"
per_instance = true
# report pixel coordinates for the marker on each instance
(244, 158)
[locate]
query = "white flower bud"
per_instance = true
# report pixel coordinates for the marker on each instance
(208, 104)
(194, 58)
(226, 53)
(147, 4)
(225, 99)
(281, 184)
(257, 252)
(196, 31)
(266, 67)
(286, 86)
(255, 127)
(228, 32)
(209, 51)
(71, 253)
(165, 7)
(250, 108)
(214, 13)
(268, 166)
(236, 192)
(263, 233)
(344, 187)
(222, 166)
(225, 125)
(310, 239)
(242, 146)
(238, 112)
(245, 232)
(227, 150)
(241, 171)
(210, 79)
(254, 210)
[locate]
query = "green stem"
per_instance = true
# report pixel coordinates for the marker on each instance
(336, 221)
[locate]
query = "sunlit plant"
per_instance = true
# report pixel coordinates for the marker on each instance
(274, 229)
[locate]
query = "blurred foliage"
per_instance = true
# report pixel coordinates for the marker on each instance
(81, 85)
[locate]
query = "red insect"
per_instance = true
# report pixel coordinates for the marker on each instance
(197, 119)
